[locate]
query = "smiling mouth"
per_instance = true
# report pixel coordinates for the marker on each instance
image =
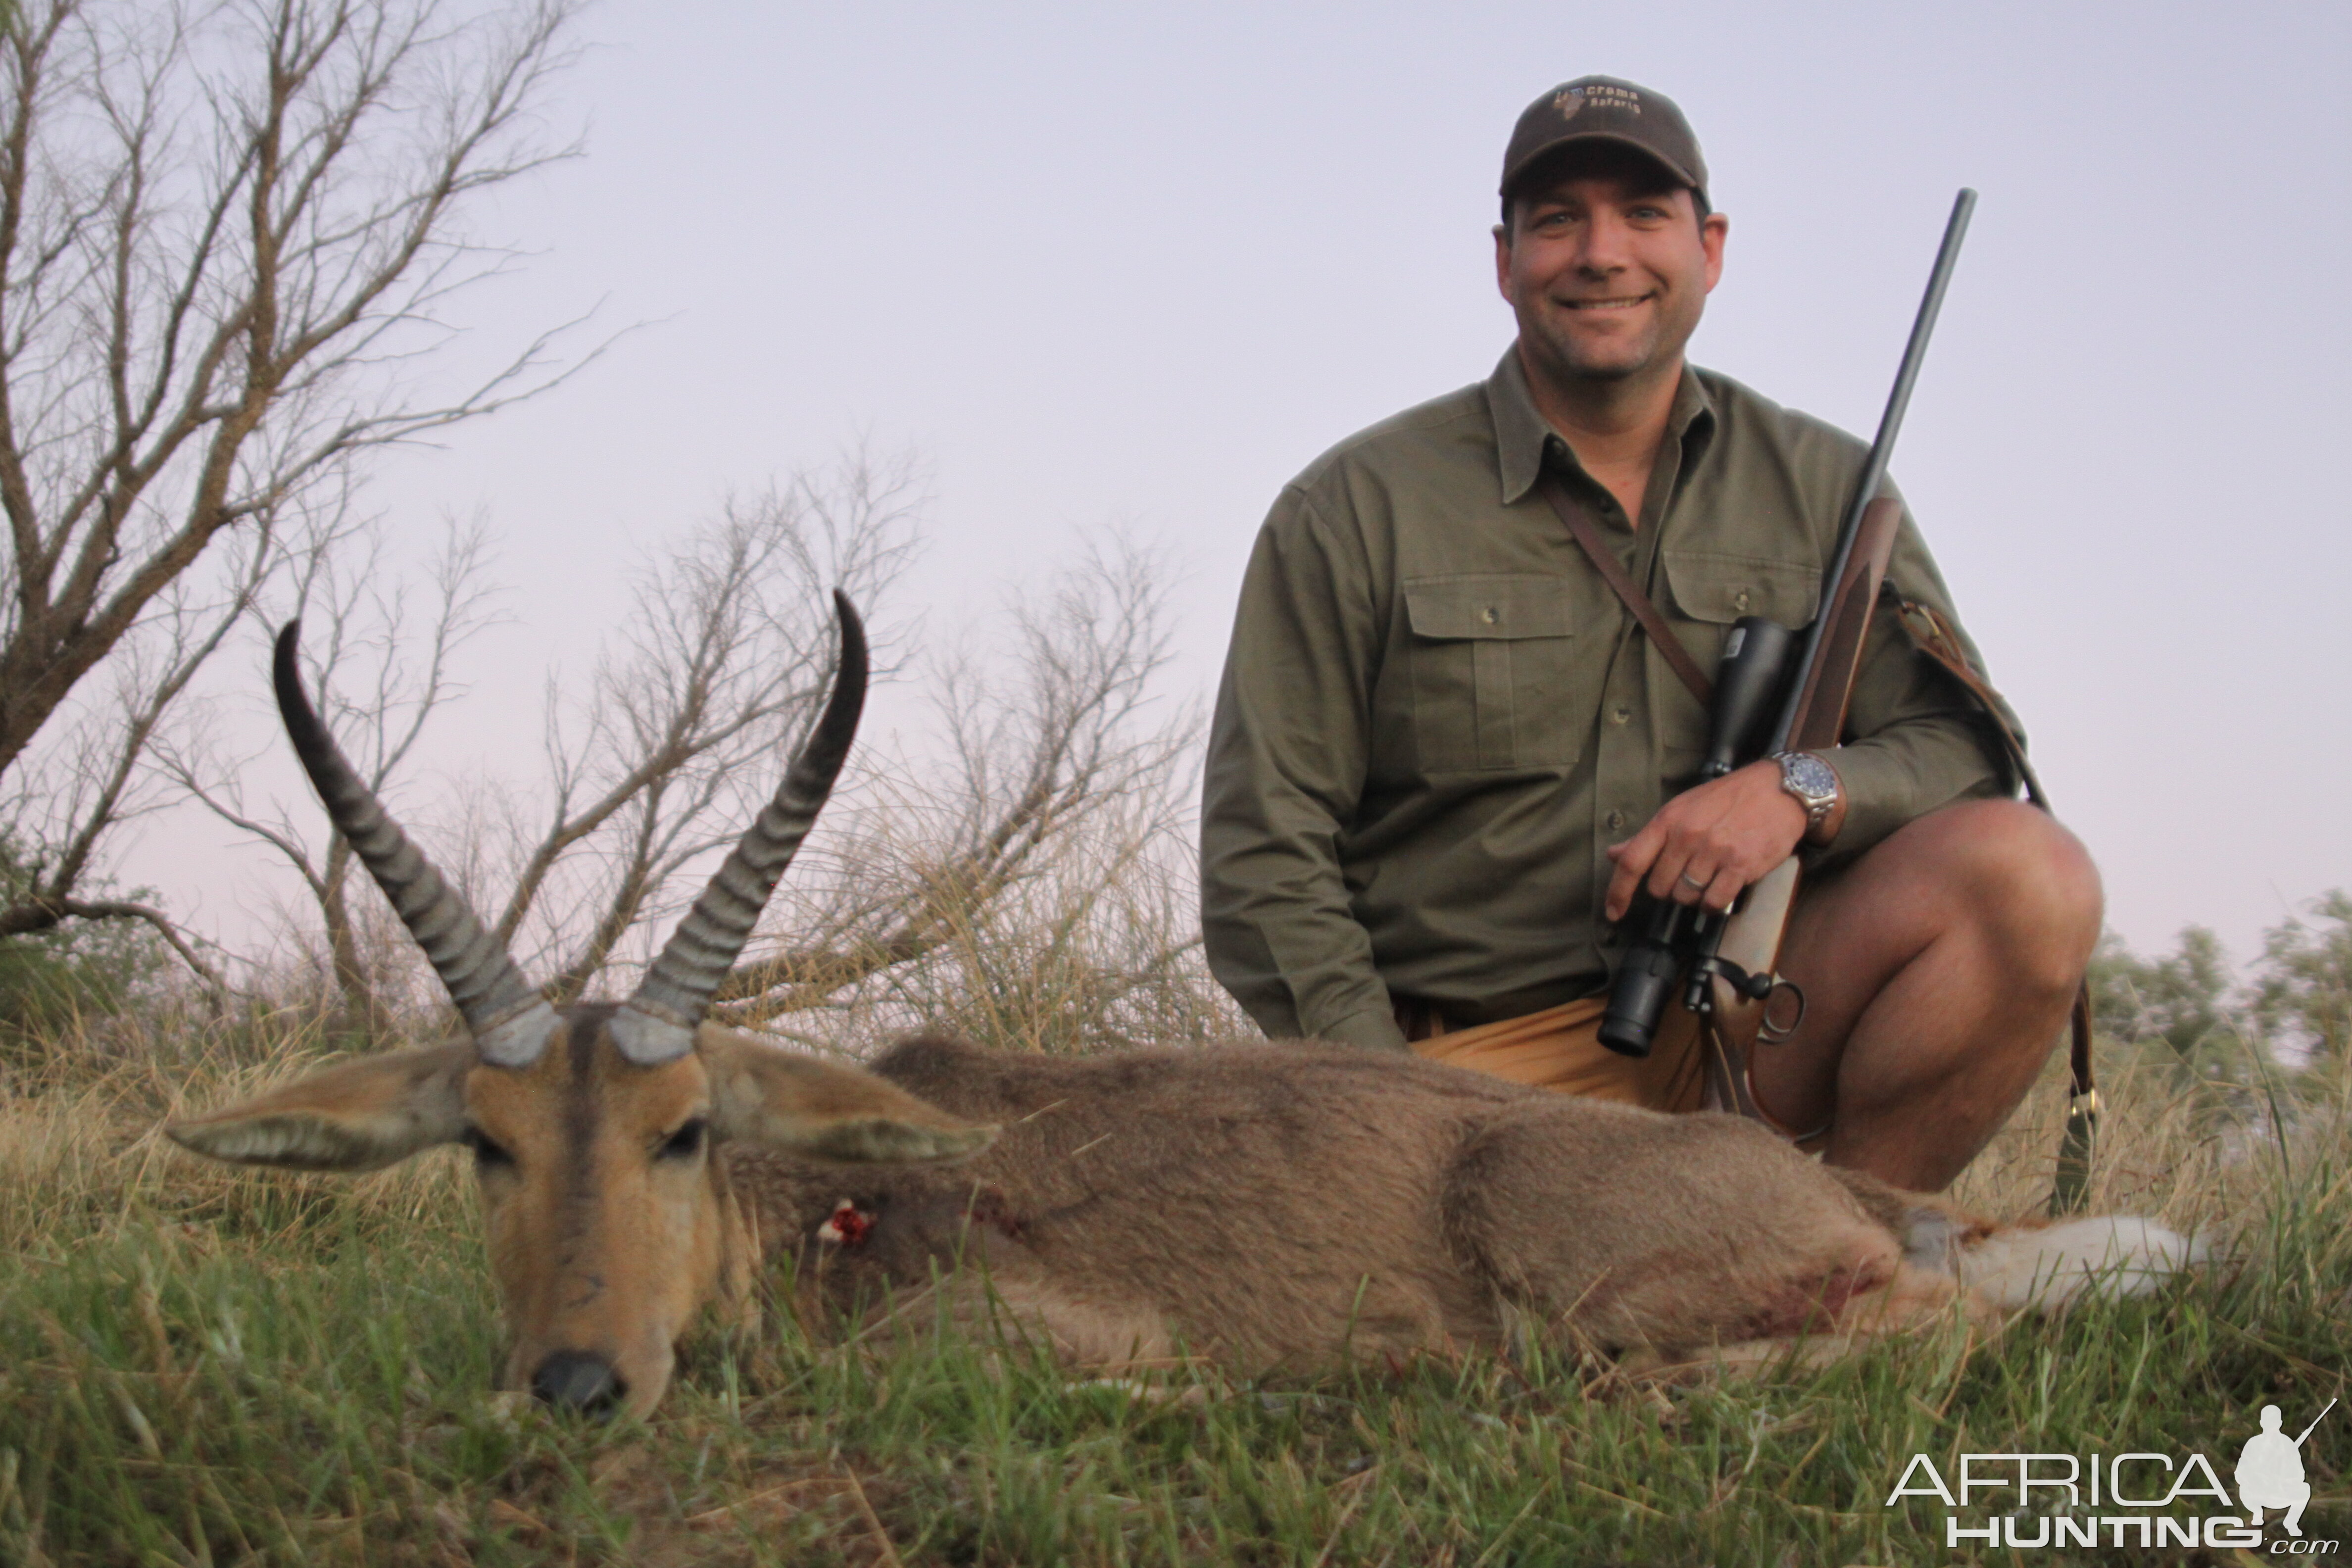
(1626, 303)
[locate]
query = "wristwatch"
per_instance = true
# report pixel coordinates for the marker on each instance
(1814, 783)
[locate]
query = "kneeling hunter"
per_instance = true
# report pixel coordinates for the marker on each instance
(1446, 758)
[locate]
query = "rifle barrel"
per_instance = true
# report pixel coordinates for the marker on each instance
(2315, 1423)
(1873, 470)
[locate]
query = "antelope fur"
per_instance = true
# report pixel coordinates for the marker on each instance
(1258, 1205)
(1290, 1205)
(599, 1242)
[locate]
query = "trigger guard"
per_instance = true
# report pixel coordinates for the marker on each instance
(1771, 1032)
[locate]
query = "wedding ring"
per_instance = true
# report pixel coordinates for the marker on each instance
(1691, 881)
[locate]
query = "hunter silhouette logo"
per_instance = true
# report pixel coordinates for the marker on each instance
(2269, 1471)
(2144, 1498)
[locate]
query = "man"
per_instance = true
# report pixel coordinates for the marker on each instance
(2270, 1473)
(1445, 759)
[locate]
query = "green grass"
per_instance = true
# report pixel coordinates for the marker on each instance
(208, 1366)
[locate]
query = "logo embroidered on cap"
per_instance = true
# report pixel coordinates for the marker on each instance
(1602, 95)
(1569, 102)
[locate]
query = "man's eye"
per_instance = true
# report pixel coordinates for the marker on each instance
(685, 1144)
(487, 1155)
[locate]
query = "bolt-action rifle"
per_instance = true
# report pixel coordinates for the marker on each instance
(1725, 965)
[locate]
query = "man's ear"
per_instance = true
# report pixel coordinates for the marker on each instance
(801, 1106)
(361, 1116)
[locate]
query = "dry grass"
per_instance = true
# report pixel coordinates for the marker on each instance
(200, 1364)
(2166, 1151)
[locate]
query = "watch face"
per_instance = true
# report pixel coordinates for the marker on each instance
(1807, 775)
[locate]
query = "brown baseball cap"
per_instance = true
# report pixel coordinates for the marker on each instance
(1603, 109)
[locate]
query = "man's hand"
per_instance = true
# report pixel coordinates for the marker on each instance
(1709, 842)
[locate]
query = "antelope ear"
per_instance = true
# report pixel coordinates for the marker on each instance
(359, 1116)
(802, 1106)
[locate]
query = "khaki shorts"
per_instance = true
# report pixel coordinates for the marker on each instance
(1560, 1048)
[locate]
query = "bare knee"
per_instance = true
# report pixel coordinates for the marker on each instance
(2026, 881)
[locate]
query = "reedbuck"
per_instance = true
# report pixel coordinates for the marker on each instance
(1261, 1204)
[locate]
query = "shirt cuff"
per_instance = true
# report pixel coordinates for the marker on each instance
(1879, 797)
(1374, 1031)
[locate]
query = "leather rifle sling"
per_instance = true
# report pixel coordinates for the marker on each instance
(1928, 632)
(1933, 635)
(1752, 936)
(1727, 1082)
(1581, 528)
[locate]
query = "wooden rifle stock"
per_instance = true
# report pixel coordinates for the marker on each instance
(1814, 721)
(1751, 938)
(1814, 717)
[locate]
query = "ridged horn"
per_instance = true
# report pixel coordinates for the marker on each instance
(510, 1020)
(657, 1024)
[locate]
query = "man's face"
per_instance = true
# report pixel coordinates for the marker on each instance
(1607, 265)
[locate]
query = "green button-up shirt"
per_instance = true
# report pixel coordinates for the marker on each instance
(1435, 716)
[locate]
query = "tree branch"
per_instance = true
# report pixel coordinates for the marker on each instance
(36, 914)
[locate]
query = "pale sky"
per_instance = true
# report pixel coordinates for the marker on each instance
(1141, 265)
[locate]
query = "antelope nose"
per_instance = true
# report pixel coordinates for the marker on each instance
(578, 1380)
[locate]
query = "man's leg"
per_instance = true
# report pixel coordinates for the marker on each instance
(1938, 973)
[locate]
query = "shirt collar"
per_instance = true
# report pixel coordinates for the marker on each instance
(1521, 431)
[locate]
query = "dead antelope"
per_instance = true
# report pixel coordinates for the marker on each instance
(1261, 1206)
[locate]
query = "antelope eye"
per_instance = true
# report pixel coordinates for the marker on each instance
(685, 1144)
(487, 1156)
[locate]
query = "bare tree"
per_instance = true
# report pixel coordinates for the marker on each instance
(1060, 782)
(1033, 866)
(381, 676)
(228, 235)
(728, 642)
(66, 798)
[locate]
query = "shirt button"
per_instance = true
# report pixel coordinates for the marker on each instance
(1620, 714)
(1616, 820)
(1740, 600)
(1489, 614)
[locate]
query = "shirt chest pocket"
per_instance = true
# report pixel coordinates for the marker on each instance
(1719, 589)
(1714, 590)
(1492, 661)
